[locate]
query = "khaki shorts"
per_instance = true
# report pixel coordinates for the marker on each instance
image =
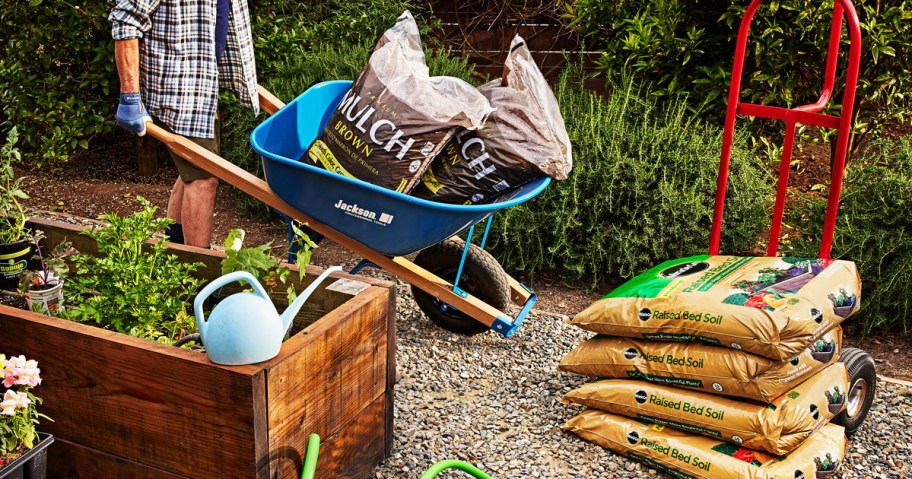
(188, 171)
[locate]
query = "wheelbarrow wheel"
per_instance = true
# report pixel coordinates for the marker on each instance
(862, 386)
(482, 277)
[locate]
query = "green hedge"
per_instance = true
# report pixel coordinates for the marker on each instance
(641, 191)
(688, 45)
(874, 229)
(57, 77)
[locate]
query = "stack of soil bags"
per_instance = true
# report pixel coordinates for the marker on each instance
(396, 121)
(720, 366)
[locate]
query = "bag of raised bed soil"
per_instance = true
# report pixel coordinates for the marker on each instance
(777, 427)
(774, 307)
(685, 455)
(396, 118)
(709, 369)
(523, 139)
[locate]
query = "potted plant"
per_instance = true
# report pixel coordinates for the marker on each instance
(826, 467)
(835, 400)
(23, 450)
(43, 287)
(14, 240)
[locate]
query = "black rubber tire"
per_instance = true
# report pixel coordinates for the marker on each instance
(862, 374)
(482, 277)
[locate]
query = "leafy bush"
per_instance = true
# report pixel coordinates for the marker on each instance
(12, 216)
(683, 46)
(874, 229)
(132, 287)
(57, 75)
(641, 190)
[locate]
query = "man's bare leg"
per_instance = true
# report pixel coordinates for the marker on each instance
(175, 200)
(197, 205)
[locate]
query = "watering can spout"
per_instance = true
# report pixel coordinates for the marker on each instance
(295, 306)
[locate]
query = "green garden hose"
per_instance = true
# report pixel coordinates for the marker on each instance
(441, 466)
(309, 468)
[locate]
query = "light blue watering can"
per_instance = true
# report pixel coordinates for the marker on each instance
(245, 328)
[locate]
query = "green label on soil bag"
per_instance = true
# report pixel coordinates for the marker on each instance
(669, 380)
(681, 337)
(652, 282)
(680, 425)
(658, 465)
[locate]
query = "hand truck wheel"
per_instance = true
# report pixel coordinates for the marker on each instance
(862, 386)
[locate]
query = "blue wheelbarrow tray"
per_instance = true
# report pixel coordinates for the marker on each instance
(389, 222)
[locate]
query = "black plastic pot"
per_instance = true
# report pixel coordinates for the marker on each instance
(13, 261)
(31, 465)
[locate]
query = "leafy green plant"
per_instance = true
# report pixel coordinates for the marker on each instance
(53, 266)
(684, 46)
(260, 262)
(133, 286)
(641, 190)
(873, 229)
(57, 77)
(12, 216)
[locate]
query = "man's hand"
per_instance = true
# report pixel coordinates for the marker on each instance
(131, 114)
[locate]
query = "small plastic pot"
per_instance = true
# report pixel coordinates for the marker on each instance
(32, 464)
(13, 261)
(46, 301)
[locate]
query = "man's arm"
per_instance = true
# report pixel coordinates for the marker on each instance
(130, 20)
(126, 56)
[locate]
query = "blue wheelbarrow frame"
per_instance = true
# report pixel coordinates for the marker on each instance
(377, 224)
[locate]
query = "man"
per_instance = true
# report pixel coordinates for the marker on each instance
(177, 53)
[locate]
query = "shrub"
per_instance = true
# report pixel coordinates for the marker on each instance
(682, 46)
(874, 229)
(57, 75)
(641, 190)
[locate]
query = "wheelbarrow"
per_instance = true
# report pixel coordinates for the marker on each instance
(456, 283)
(309, 468)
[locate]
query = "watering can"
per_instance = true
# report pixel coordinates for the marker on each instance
(245, 328)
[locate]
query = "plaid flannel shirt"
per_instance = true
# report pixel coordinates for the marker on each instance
(179, 74)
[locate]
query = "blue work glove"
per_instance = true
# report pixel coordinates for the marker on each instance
(131, 114)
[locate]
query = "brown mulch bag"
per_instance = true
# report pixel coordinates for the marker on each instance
(396, 118)
(710, 369)
(684, 455)
(773, 307)
(778, 427)
(524, 138)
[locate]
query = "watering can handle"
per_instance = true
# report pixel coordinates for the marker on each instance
(218, 283)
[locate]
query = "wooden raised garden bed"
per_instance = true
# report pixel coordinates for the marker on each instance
(129, 408)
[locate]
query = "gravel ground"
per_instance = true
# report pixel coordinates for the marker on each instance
(495, 402)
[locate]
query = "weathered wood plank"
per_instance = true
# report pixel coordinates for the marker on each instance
(67, 460)
(340, 370)
(135, 398)
(357, 449)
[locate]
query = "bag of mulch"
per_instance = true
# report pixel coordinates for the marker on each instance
(697, 366)
(685, 455)
(523, 139)
(777, 427)
(773, 307)
(396, 118)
